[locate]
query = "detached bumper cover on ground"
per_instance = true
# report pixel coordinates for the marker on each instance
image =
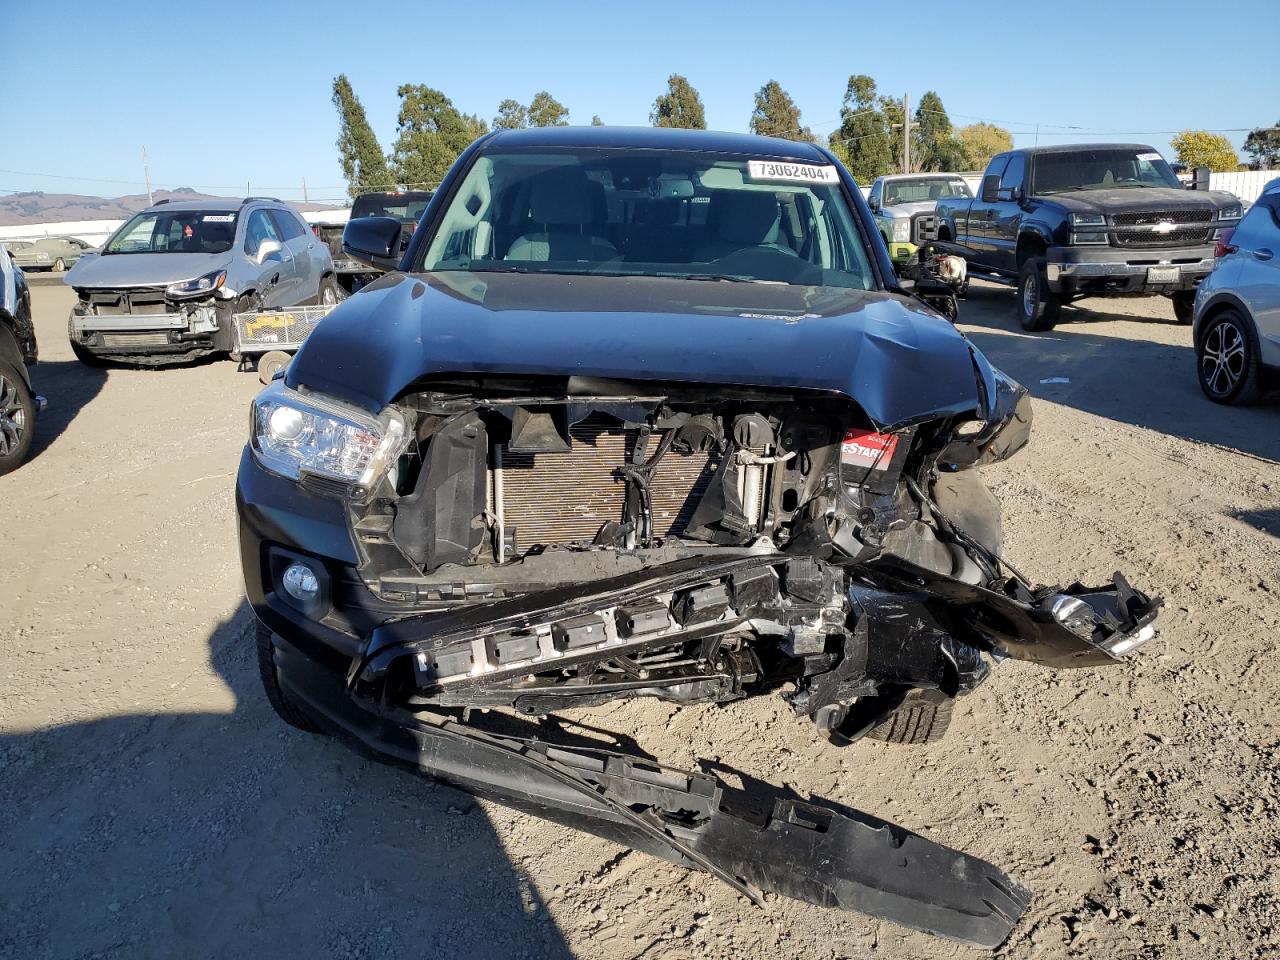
(803, 850)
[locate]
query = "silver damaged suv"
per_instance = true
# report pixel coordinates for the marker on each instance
(165, 285)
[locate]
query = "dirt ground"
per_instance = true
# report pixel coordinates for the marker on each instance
(152, 806)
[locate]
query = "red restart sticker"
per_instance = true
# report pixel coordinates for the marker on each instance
(866, 448)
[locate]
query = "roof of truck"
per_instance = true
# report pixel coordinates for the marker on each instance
(1076, 147)
(658, 138)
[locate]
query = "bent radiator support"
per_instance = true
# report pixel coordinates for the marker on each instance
(807, 851)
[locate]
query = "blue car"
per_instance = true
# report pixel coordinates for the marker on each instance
(646, 413)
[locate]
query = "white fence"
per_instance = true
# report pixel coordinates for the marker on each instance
(97, 231)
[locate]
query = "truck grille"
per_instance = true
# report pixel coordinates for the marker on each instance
(1188, 226)
(142, 338)
(554, 498)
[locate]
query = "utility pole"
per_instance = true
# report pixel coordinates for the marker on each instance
(906, 133)
(146, 175)
(304, 191)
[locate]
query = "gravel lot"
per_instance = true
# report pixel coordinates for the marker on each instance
(152, 806)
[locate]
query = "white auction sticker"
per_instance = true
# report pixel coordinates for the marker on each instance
(791, 172)
(1152, 157)
(218, 218)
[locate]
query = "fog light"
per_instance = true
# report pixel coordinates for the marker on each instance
(299, 581)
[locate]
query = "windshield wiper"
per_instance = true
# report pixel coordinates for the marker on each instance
(718, 277)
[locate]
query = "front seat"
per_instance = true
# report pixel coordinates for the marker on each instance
(560, 201)
(742, 220)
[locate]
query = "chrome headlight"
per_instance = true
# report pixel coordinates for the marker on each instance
(1232, 211)
(296, 434)
(1088, 220)
(206, 284)
(901, 230)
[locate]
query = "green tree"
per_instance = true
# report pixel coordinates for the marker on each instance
(979, 142)
(1200, 148)
(933, 140)
(776, 114)
(1263, 146)
(680, 106)
(431, 134)
(596, 121)
(862, 139)
(512, 115)
(363, 164)
(546, 111)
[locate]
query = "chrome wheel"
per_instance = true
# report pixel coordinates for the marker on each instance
(328, 296)
(13, 416)
(1224, 358)
(1030, 295)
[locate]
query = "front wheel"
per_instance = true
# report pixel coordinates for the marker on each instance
(328, 292)
(1038, 306)
(285, 708)
(1227, 359)
(1184, 305)
(17, 417)
(60, 265)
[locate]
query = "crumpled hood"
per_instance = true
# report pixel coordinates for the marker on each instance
(899, 361)
(142, 269)
(1139, 199)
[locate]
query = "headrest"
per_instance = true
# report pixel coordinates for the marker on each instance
(745, 216)
(560, 197)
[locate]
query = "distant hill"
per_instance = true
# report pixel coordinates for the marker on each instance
(17, 209)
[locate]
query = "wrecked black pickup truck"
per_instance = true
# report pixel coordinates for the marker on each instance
(644, 413)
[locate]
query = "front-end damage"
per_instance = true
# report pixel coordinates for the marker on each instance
(151, 323)
(536, 544)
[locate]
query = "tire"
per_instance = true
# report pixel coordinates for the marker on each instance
(1184, 305)
(279, 700)
(921, 718)
(87, 357)
(1227, 359)
(269, 363)
(329, 294)
(17, 418)
(1038, 306)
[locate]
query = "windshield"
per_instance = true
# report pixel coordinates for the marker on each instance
(924, 190)
(651, 213)
(175, 231)
(1101, 170)
(407, 209)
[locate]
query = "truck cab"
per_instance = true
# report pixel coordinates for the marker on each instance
(1066, 222)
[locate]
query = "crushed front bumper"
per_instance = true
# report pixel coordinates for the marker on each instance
(1087, 270)
(808, 851)
(198, 329)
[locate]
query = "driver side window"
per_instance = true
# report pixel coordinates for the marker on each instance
(257, 229)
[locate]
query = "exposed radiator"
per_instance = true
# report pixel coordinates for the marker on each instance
(565, 497)
(141, 338)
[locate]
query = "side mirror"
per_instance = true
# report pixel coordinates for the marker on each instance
(374, 241)
(874, 204)
(990, 188)
(269, 250)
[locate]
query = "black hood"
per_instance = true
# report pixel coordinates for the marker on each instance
(895, 358)
(1139, 200)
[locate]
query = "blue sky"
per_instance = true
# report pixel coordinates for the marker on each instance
(235, 92)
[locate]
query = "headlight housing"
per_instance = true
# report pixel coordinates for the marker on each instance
(296, 434)
(200, 285)
(1088, 220)
(901, 230)
(1231, 212)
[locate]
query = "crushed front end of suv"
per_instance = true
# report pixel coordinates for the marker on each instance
(645, 414)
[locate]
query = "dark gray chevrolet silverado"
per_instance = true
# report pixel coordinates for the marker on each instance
(1085, 221)
(645, 413)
